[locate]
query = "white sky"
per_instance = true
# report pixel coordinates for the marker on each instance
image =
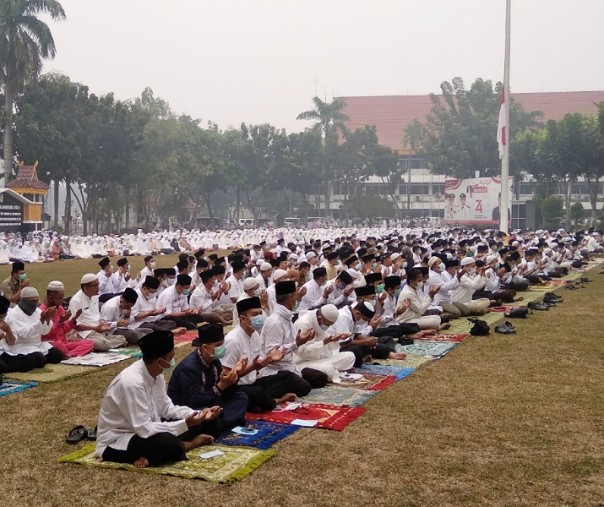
(261, 61)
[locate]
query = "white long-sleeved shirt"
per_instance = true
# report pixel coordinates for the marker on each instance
(201, 298)
(111, 313)
(90, 316)
(172, 301)
(278, 331)
(419, 304)
(315, 348)
(312, 298)
(28, 331)
(120, 283)
(239, 345)
(143, 305)
(106, 283)
(137, 404)
(446, 282)
(468, 284)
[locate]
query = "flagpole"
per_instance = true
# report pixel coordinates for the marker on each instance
(505, 161)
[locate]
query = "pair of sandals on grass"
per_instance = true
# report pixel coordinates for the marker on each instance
(80, 433)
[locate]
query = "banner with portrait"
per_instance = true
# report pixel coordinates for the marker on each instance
(474, 201)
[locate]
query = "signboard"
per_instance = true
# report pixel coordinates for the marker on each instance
(474, 201)
(11, 213)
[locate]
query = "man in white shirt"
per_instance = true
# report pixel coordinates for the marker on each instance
(147, 270)
(278, 332)
(122, 277)
(265, 277)
(85, 306)
(243, 344)
(341, 290)
(174, 300)
(138, 423)
(107, 290)
(315, 294)
(117, 313)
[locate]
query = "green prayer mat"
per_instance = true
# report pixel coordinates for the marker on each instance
(52, 373)
(339, 396)
(236, 463)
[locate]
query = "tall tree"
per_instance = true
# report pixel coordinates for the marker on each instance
(329, 120)
(25, 40)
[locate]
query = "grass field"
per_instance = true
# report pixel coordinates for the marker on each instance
(502, 420)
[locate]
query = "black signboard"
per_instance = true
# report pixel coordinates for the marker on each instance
(11, 213)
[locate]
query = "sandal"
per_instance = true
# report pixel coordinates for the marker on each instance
(77, 434)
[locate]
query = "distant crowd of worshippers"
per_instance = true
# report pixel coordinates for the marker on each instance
(301, 314)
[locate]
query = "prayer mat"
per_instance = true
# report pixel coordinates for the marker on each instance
(183, 339)
(369, 382)
(129, 351)
(53, 373)
(97, 359)
(394, 370)
(440, 337)
(234, 464)
(427, 348)
(266, 435)
(339, 396)
(9, 387)
(326, 416)
(501, 309)
(410, 361)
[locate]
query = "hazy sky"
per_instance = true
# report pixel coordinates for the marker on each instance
(263, 60)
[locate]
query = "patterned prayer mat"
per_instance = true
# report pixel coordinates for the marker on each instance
(410, 361)
(267, 434)
(234, 464)
(369, 382)
(9, 387)
(427, 348)
(129, 351)
(326, 416)
(398, 371)
(339, 396)
(97, 359)
(53, 373)
(181, 340)
(501, 309)
(440, 337)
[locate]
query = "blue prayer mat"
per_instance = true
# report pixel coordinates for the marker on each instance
(383, 369)
(267, 433)
(11, 387)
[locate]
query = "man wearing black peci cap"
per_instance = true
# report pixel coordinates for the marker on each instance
(105, 277)
(147, 314)
(279, 332)
(11, 287)
(117, 313)
(199, 381)
(244, 347)
(138, 423)
(122, 277)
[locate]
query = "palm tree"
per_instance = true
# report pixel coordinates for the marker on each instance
(25, 41)
(329, 119)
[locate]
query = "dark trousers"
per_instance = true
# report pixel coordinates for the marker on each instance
(159, 325)
(189, 321)
(159, 450)
(507, 296)
(265, 390)
(396, 331)
(360, 351)
(27, 362)
(234, 405)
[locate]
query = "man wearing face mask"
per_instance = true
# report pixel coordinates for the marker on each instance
(138, 423)
(244, 354)
(199, 381)
(322, 353)
(147, 314)
(416, 302)
(107, 290)
(315, 292)
(147, 270)
(472, 279)
(11, 286)
(342, 291)
(175, 300)
(27, 324)
(122, 278)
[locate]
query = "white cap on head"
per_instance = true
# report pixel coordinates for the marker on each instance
(466, 261)
(395, 256)
(265, 266)
(432, 261)
(29, 292)
(311, 254)
(330, 312)
(279, 273)
(491, 258)
(87, 278)
(55, 286)
(250, 283)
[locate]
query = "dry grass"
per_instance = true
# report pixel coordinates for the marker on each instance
(502, 420)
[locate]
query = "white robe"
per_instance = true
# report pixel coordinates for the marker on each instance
(28, 331)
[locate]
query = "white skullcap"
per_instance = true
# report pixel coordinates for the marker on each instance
(259, 262)
(87, 278)
(265, 266)
(310, 255)
(491, 258)
(395, 256)
(330, 312)
(547, 251)
(29, 292)
(250, 283)
(279, 273)
(466, 261)
(432, 260)
(55, 286)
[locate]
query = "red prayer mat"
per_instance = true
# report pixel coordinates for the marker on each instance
(187, 337)
(444, 337)
(501, 309)
(330, 417)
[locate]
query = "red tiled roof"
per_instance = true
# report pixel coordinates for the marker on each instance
(27, 178)
(392, 113)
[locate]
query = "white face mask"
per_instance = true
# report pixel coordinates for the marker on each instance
(171, 281)
(420, 285)
(472, 271)
(152, 264)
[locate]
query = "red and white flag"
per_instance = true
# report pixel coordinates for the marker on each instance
(502, 125)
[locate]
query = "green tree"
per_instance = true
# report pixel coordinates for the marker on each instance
(329, 121)
(576, 214)
(25, 40)
(552, 211)
(458, 136)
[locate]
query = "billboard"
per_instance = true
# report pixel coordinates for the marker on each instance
(474, 201)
